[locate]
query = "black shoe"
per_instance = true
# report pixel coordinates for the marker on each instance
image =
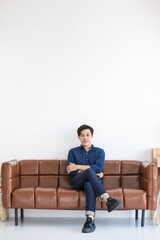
(113, 204)
(89, 226)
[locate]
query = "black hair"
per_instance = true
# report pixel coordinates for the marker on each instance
(84, 126)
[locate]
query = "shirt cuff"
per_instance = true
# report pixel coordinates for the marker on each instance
(96, 168)
(73, 173)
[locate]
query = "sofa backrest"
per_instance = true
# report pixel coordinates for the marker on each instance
(125, 174)
(52, 173)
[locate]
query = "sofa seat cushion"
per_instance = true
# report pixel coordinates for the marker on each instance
(46, 198)
(82, 201)
(23, 198)
(117, 194)
(68, 198)
(135, 198)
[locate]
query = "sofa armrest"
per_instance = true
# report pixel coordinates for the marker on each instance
(10, 181)
(149, 183)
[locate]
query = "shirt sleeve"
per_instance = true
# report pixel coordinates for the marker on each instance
(70, 159)
(99, 165)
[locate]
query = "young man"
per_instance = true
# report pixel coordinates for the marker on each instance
(85, 164)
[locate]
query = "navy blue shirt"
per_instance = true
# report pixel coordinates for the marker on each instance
(95, 158)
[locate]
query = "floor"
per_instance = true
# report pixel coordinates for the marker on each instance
(47, 228)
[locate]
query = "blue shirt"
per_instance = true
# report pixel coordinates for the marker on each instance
(95, 158)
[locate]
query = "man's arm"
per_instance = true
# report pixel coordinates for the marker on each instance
(81, 168)
(70, 160)
(99, 165)
(73, 167)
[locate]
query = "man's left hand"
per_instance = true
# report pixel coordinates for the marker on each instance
(100, 175)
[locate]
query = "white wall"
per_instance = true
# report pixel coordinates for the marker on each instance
(65, 63)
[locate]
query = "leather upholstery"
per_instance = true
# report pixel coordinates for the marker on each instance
(46, 198)
(135, 198)
(44, 184)
(149, 183)
(23, 198)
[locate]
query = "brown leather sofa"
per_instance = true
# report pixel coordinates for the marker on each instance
(44, 184)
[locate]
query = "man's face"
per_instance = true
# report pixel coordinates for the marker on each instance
(86, 137)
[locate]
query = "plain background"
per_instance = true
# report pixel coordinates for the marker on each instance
(64, 63)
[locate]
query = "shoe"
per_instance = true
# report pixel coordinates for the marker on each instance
(89, 226)
(113, 204)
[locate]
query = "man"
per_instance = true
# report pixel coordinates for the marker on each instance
(85, 164)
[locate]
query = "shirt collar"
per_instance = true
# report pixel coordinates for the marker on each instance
(92, 147)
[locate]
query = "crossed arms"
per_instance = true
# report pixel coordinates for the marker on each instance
(74, 168)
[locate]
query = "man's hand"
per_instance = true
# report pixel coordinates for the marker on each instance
(100, 175)
(71, 167)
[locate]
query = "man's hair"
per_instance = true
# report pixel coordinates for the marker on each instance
(84, 126)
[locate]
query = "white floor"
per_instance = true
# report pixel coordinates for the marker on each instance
(69, 228)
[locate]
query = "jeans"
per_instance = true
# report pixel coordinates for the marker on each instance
(92, 185)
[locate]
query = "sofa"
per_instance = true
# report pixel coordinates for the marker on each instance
(44, 184)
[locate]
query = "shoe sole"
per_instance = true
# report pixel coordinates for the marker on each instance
(119, 205)
(88, 230)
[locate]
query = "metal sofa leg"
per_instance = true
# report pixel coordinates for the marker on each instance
(136, 214)
(22, 213)
(143, 216)
(16, 216)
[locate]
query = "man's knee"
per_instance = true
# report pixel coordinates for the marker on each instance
(87, 184)
(90, 171)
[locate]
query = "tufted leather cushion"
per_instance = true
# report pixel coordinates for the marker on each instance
(46, 198)
(23, 198)
(68, 198)
(135, 199)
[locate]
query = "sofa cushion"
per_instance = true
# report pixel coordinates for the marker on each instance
(48, 167)
(23, 198)
(112, 167)
(64, 182)
(117, 194)
(130, 167)
(68, 198)
(63, 167)
(45, 198)
(48, 181)
(110, 182)
(28, 167)
(132, 181)
(28, 181)
(135, 198)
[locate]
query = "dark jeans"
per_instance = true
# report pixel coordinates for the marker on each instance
(92, 185)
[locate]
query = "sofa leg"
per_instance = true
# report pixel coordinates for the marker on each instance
(136, 214)
(22, 213)
(16, 216)
(143, 216)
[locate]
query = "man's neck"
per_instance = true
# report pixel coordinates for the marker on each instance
(87, 148)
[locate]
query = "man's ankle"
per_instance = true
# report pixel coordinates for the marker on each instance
(90, 216)
(105, 199)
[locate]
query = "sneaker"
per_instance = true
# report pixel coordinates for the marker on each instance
(89, 226)
(113, 204)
